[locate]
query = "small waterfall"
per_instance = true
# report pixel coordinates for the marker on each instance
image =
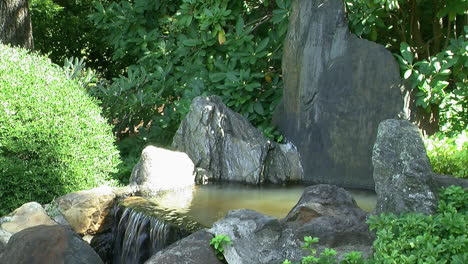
(141, 230)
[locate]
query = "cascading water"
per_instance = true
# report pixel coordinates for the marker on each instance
(141, 230)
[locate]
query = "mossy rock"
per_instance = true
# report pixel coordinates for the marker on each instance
(53, 139)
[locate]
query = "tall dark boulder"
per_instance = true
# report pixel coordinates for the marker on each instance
(337, 88)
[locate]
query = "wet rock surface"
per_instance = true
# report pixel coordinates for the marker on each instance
(86, 211)
(194, 249)
(324, 211)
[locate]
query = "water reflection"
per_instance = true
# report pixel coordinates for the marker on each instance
(209, 203)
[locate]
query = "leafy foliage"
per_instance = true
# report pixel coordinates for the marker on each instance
(327, 256)
(418, 238)
(429, 39)
(448, 155)
(219, 242)
(61, 30)
(432, 77)
(53, 139)
(177, 50)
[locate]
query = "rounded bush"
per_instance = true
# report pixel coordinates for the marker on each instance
(53, 139)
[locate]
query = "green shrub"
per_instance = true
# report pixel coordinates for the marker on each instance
(62, 29)
(449, 155)
(418, 238)
(53, 139)
(177, 50)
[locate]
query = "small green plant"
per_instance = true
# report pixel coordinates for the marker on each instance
(328, 256)
(219, 242)
(173, 51)
(448, 154)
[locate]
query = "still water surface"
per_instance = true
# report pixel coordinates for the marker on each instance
(209, 203)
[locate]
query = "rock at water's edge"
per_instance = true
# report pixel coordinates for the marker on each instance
(86, 211)
(324, 211)
(224, 146)
(162, 169)
(194, 249)
(337, 88)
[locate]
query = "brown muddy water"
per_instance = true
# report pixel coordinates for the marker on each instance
(208, 203)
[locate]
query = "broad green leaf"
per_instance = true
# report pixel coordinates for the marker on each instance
(406, 52)
(190, 42)
(259, 108)
(217, 77)
(250, 87)
(232, 76)
(239, 26)
(262, 45)
(407, 73)
(221, 37)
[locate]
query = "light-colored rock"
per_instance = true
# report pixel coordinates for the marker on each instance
(402, 172)
(283, 164)
(86, 211)
(28, 215)
(162, 169)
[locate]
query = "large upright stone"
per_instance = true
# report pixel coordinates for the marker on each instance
(48, 245)
(337, 88)
(402, 172)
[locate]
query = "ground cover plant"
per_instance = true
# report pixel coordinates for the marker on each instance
(53, 139)
(417, 238)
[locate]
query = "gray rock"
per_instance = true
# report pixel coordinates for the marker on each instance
(331, 214)
(162, 169)
(402, 171)
(337, 88)
(324, 211)
(2, 247)
(194, 249)
(224, 146)
(442, 181)
(4, 236)
(48, 245)
(283, 164)
(255, 237)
